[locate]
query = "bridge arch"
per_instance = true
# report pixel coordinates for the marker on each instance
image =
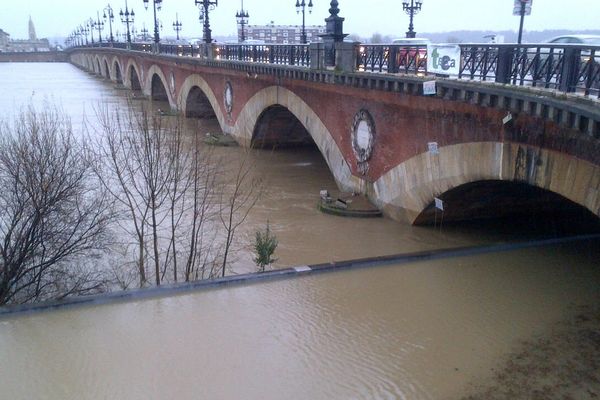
(407, 191)
(196, 96)
(278, 127)
(97, 66)
(117, 70)
(106, 70)
(132, 76)
(157, 87)
(272, 96)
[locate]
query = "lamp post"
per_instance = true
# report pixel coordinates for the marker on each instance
(110, 16)
(177, 25)
(99, 25)
(157, 6)
(412, 8)
(127, 18)
(144, 33)
(84, 32)
(206, 6)
(241, 17)
(90, 27)
(301, 7)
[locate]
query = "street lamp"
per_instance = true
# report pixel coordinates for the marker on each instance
(412, 8)
(301, 7)
(127, 18)
(206, 6)
(84, 31)
(157, 6)
(98, 24)
(110, 16)
(241, 17)
(90, 27)
(177, 25)
(77, 36)
(144, 33)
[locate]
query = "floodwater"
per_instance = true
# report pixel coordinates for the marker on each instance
(422, 331)
(427, 330)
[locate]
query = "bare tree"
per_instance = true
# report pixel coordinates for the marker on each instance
(53, 213)
(203, 190)
(119, 176)
(166, 186)
(239, 194)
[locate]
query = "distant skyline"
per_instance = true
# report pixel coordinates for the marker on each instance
(59, 17)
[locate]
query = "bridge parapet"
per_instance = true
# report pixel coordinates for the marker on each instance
(578, 112)
(567, 68)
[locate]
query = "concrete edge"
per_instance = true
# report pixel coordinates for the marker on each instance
(292, 272)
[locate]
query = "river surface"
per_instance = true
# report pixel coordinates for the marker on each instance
(426, 330)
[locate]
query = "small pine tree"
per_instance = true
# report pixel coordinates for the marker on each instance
(264, 246)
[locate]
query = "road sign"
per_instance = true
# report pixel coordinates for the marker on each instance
(517, 7)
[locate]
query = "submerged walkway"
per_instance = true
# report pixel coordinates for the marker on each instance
(286, 273)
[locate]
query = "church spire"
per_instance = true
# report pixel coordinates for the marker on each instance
(32, 35)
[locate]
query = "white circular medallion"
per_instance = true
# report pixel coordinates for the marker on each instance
(363, 136)
(172, 82)
(228, 97)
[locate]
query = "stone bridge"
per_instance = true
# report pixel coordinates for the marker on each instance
(483, 148)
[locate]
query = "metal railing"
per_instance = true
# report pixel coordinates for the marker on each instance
(295, 54)
(566, 68)
(392, 58)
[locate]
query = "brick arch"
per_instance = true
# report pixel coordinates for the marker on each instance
(193, 81)
(117, 70)
(127, 77)
(243, 130)
(408, 189)
(106, 70)
(147, 85)
(97, 65)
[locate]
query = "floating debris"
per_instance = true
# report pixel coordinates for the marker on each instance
(348, 205)
(220, 139)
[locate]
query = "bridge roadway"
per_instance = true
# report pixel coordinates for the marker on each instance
(481, 147)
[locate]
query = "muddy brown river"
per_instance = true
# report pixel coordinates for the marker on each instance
(426, 330)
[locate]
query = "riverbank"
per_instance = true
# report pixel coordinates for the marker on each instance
(562, 364)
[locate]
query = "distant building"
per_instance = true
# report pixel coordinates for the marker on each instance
(32, 35)
(28, 45)
(281, 34)
(4, 39)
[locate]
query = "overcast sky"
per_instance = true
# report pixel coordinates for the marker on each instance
(364, 17)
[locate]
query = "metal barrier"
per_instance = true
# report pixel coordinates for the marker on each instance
(392, 58)
(566, 68)
(298, 55)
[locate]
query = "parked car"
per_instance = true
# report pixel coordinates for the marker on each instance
(412, 48)
(593, 40)
(587, 63)
(583, 40)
